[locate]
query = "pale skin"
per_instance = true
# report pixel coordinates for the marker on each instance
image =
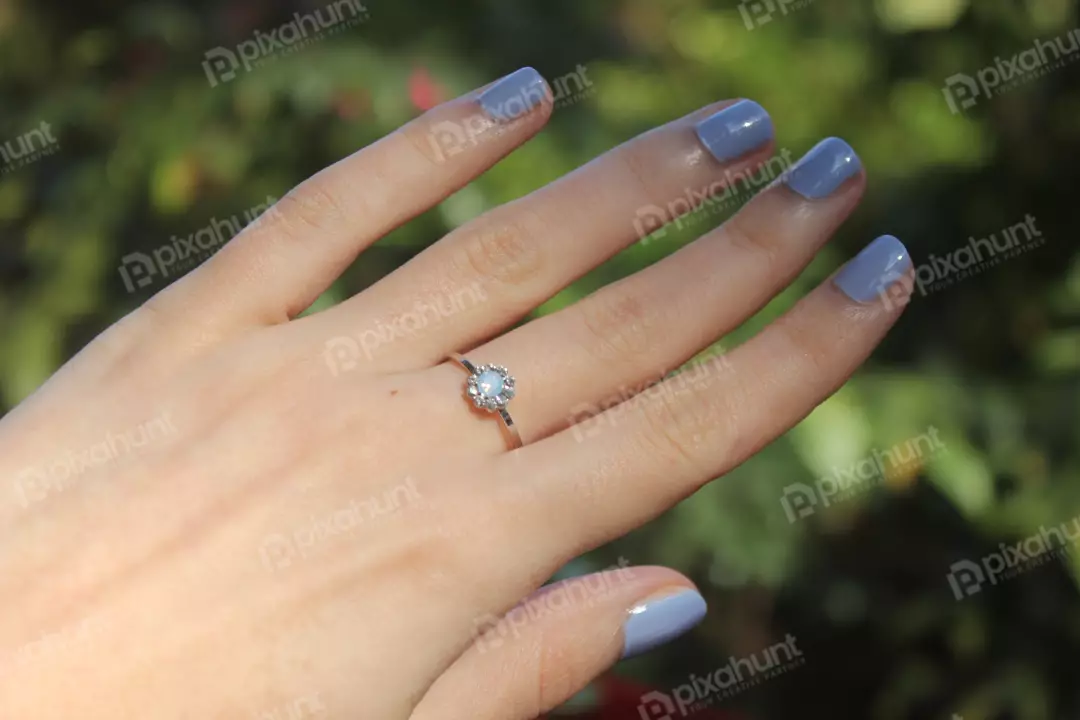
(160, 550)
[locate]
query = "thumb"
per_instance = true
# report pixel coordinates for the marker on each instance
(555, 642)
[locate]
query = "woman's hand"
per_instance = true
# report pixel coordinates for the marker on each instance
(219, 511)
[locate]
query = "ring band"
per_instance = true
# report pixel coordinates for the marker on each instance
(490, 388)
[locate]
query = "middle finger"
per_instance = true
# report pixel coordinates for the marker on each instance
(489, 273)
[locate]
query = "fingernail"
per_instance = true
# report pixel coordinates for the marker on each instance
(871, 272)
(657, 621)
(736, 130)
(824, 169)
(515, 95)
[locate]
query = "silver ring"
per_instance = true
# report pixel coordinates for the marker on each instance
(490, 388)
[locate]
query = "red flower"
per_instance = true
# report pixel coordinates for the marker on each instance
(424, 92)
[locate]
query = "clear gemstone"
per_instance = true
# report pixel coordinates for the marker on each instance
(490, 383)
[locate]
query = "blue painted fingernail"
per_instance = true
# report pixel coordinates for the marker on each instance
(655, 622)
(824, 169)
(871, 272)
(515, 95)
(736, 130)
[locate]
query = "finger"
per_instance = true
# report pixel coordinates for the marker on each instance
(630, 334)
(553, 644)
(280, 265)
(489, 273)
(596, 481)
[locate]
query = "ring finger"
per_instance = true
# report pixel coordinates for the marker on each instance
(598, 352)
(573, 491)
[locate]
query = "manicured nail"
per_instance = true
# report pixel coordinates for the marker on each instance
(657, 621)
(824, 169)
(871, 272)
(515, 95)
(736, 130)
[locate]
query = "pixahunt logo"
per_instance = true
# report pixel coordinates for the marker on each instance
(978, 255)
(449, 138)
(222, 65)
(301, 708)
(343, 354)
(756, 13)
(566, 596)
(138, 270)
(844, 483)
(589, 419)
(967, 578)
(27, 148)
(572, 88)
(738, 675)
(963, 91)
(34, 484)
(654, 222)
(47, 649)
(280, 551)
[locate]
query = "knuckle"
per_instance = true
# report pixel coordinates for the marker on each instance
(641, 168)
(676, 427)
(311, 207)
(422, 138)
(553, 682)
(506, 253)
(805, 353)
(619, 325)
(751, 242)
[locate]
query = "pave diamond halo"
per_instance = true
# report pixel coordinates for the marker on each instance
(490, 387)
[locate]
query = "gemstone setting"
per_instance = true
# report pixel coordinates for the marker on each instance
(490, 387)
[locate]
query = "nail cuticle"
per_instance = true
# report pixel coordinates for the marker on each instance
(870, 273)
(823, 170)
(736, 130)
(515, 95)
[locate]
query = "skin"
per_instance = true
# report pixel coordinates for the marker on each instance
(148, 573)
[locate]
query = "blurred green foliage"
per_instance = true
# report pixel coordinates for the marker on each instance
(147, 148)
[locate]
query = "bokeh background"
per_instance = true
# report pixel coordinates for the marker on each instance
(141, 143)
